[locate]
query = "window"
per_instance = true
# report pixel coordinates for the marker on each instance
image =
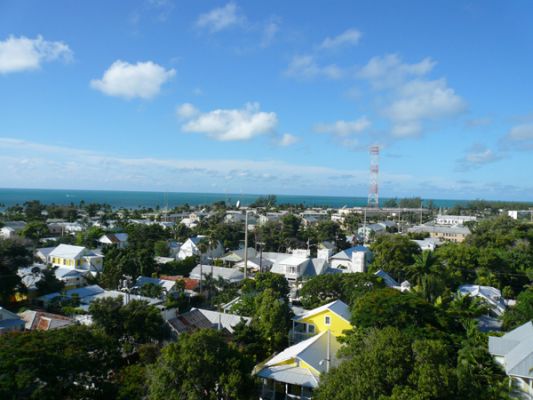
(310, 329)
(327, 320)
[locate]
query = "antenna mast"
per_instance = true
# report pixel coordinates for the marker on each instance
(373, 192)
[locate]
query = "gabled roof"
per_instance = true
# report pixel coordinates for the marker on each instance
(389, 280)
(347, 253)
(165, 284)
(229, 274)
(338, 307)
(516, 348)
(312, 352)
(67, 251)
(43, 321)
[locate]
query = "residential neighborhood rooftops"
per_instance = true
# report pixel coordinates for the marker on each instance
(228, 274)
(347, 253)
(516, 349)
(43, 321)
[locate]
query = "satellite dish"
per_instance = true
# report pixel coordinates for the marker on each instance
(238, 204)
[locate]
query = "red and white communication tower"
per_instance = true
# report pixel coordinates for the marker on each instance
(373, 192)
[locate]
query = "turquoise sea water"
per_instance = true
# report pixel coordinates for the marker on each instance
(129, 199)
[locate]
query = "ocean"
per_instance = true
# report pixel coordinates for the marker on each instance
(132, 199)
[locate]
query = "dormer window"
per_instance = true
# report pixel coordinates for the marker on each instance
(327, 320)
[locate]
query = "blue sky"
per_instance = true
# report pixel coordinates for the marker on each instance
(268, 97)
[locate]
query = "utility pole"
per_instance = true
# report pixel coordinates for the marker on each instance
(246, 245)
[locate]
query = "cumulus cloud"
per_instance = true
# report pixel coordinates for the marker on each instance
(186, 111)
(477, 156)
(349, 37)
(23, 54)
(221, 18)
(142, 80)
(420, 100)
(390, 70)
(288, 139)
(344, 128)
(233, 124)
(306, 67)
(519, 137)
(270, 30)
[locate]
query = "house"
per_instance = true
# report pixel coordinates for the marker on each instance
(491, 296)
(10, 322)
(43, 321)
(354, 259)
(236, 256)
(298, 265)
(166, 285)
(71, 277)
(230, 275)
(428, 244)
(43, 253)
(454, 233)
(368, 232)
(78, 257)
(119, 240)
(334, 316)
(390, 282)
(453, 219)
(198, 318)
(514, 351)
(11, 229)
(256, 264)
(296, 371)
(88, 294)
(192, 246)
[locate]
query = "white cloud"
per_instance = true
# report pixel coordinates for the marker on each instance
(142, 80)
(344, 128)
(478, 122)
(186, 111)
(389, 70)
(233, 124)
(306, 67)
(221, 18)
(22, 53)
(350, 37)
(477, 156)
(519, 137)
(420, 100)
(288, 139)
(270, 30)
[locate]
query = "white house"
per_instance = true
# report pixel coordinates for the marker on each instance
(514, 351)
(76, 257)
(231, 275)
(298, 265)
(491, 296)
(191, 247)
(366, 232)
(354, 259)
(428, 244)
(453, 219)
(11, 229)
(119, 240)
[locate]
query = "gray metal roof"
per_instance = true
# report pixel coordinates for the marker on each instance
(290, 374)
(516, 348)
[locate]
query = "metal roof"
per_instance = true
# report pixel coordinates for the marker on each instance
(338, 307)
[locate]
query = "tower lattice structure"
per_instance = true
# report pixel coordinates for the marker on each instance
(373, 190)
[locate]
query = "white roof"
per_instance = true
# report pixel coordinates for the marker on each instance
(516, 347)
(229, 274)
(490, 294)
(66, 251)
(347, 253)
(227, 321)
(312, 351)
(338, 307)
(164, 283)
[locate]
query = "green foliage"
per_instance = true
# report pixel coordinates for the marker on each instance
(161, 248)
(89, 238)
(521, 313)
(180, 267)
(136, 322)
(380, 308)
(131, 261)
(13, 255)
(70, 363)
(272, 319)
(35, 230)
(201, 365)
(151, 290)
(323, 289)
(33, 210)
(48, 282)
(392, 254)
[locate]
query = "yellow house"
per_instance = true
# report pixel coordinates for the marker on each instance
(76, 257)
(334, 316)
(295, 372)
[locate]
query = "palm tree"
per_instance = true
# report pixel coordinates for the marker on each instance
(424, 276)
